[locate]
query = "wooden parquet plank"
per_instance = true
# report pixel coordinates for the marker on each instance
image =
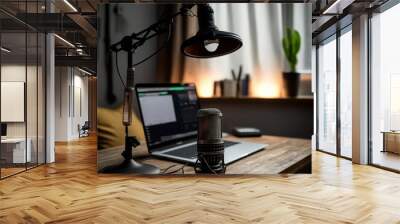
(70, 191)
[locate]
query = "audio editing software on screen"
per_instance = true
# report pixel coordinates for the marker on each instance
(168, 113)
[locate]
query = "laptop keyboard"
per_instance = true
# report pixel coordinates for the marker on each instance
(190, 151)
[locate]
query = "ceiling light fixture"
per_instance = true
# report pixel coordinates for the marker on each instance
(70, 6)
(65, 41)
(337, 7)
(331, 7)
(5, 50)
(84, 71)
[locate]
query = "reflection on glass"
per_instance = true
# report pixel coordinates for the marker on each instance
(14, 146)
(385, 83)
(327, 97)
(346, 94)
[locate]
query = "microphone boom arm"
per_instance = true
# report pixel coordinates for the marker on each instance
(131, 42)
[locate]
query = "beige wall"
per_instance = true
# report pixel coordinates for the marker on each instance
(71, 102)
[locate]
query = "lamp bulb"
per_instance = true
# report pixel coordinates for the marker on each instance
(211, 45)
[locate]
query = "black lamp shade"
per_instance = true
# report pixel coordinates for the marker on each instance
(195, 47)
(208, 32)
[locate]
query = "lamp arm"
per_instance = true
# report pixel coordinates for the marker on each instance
(135, 40)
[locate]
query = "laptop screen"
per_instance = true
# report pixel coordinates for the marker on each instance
(168, 112)
(3, 129)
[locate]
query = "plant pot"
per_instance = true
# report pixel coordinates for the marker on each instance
(291, 83)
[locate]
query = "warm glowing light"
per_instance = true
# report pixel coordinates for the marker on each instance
(204, 85)
(266, 89)
(266, 84)
(199, 73)
(260, 86)
(205, 88)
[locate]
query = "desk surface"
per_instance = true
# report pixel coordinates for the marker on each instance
(391, 132)
(282, 155)
(13, 140)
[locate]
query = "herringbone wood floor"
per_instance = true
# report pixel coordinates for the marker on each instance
(70, 191)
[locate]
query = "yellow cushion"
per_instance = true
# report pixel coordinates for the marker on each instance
(110, 130)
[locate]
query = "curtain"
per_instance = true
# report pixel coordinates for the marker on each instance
(261, 27)
(171, 61)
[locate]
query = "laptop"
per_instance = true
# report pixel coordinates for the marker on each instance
(169, 118)
(3, 131)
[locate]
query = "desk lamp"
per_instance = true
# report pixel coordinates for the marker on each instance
(207, 43)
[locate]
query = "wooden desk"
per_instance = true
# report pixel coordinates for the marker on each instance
(391, 141)
(282, 155)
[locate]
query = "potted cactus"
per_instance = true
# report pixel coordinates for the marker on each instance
(291, 43)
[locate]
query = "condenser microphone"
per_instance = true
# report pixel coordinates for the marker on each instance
(128, 98)
(210, 144)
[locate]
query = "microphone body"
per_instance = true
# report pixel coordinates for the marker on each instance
(210, 144)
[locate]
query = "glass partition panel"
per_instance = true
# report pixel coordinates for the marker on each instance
(346, 94)
(22, 77)
(14, 145)
(32, 98)
(327, 96)
(385, 87)
(31, 83)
